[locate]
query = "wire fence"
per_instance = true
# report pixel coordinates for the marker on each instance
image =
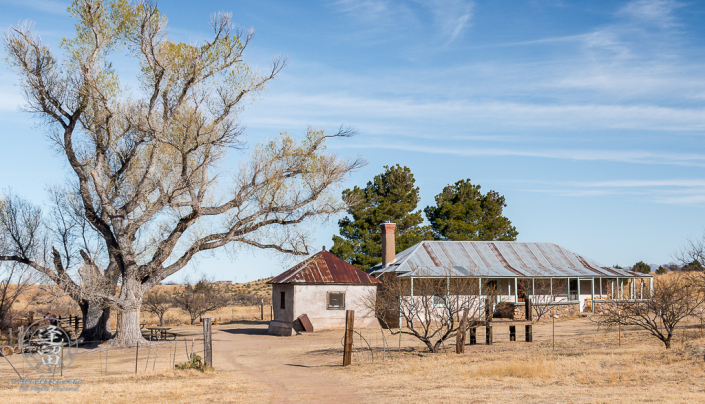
(111, 361)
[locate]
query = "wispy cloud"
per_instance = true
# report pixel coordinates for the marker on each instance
(46, 6)
(486, 115)
(665, 191)
(452, 17)
(618, 156)
(368, 10)
(658, 12)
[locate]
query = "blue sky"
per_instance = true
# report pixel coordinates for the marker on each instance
(588, 116)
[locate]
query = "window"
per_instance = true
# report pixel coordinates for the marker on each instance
(438, 301)
(282, 299)
(336, 300)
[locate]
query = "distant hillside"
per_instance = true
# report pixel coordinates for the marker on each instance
(258, 287)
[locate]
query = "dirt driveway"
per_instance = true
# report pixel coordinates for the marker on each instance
(297, 369)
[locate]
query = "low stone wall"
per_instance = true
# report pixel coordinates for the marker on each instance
(561, 309)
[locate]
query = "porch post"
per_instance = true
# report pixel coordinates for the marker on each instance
(479, 297)
(651, 287)
(516, 291)
(641, 294)
(551, 282)
(592, 294)
(612, 294)
(580, 305)
(567, 285)
(600, 288)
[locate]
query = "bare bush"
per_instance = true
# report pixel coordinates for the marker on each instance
(15, 280)
(201, 298)
(158, 302)
(430, 309)
(674, 298)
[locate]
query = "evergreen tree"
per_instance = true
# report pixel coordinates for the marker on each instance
(389, 196)
(642, 267)
(661, 270)
(693, 266)
(462, 212)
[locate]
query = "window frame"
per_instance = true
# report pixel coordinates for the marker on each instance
(328, 305)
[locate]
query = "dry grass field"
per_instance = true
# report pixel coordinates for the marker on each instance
(33, 301)
(587, 365)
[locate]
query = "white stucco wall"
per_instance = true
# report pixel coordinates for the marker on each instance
(282, 323)
(312, 301)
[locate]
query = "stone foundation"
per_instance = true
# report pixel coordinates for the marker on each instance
(562, 310)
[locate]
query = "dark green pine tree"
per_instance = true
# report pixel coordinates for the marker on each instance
(462, 212)
(390, 196)
(642, 267)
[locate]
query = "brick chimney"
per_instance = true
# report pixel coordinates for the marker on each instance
(388, 247)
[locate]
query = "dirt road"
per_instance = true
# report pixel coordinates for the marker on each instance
(297, 369)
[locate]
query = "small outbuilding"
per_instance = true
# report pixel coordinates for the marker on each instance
(322, 288)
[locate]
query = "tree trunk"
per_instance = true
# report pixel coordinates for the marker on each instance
(129, 333)
(96, 323)
(161, 320)
(667, 342)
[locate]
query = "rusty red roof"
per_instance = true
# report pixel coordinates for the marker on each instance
(324, 267)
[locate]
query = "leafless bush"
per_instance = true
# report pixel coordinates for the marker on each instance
(430, 309)
(201, 298)
(15, 280)
(158, 302)
(674, 298)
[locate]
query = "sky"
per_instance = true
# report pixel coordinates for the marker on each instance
(589, 117)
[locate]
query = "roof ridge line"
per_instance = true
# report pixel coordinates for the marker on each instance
(303, 265)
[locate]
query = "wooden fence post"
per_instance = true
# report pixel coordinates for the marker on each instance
(137, 355)
(529, 333)
(347, 347)
(488, 333)
(460, 337)
(207, 342)
(528, 309)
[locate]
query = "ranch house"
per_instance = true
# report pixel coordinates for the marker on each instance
(546, 273)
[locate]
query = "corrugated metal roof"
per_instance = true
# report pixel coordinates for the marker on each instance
(497, 259)
(324, 267)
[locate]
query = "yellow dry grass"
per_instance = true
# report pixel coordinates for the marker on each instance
(170, 386)
(587, 365)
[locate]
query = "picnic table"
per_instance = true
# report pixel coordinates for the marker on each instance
(158, 333)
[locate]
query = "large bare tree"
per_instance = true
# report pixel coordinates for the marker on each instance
(147, 165)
